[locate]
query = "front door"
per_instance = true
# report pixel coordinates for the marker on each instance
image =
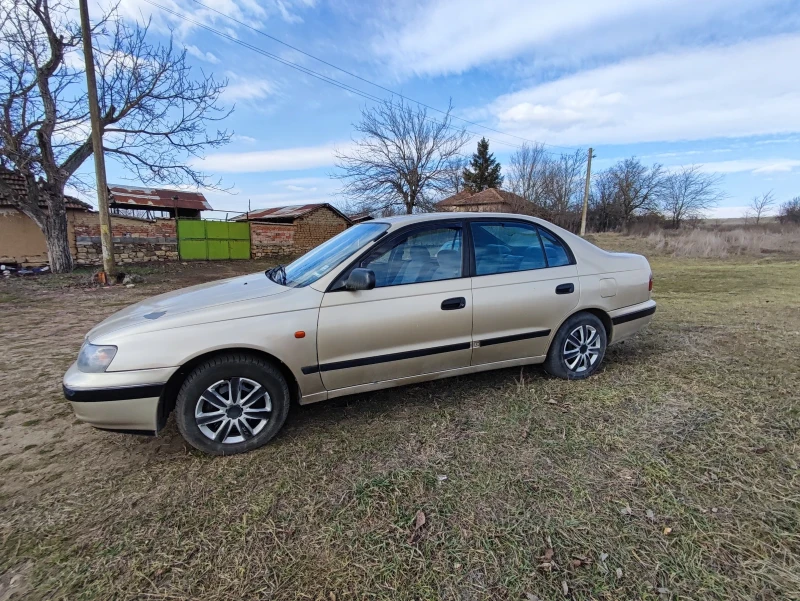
(525, 285)
(417, 319)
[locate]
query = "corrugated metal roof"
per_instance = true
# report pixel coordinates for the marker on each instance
(286, 213)
(157, 198)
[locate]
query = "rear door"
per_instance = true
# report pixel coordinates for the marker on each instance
(417, 319)
(525, 284)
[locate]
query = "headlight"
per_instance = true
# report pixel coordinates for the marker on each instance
(95, 359)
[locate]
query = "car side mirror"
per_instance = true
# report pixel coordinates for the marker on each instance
(360, 279)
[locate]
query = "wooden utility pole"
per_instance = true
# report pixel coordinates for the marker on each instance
(586, 192)
(106, 240)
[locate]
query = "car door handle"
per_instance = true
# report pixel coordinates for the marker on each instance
(565, 288)
(451, 304)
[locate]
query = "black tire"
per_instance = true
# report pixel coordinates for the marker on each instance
(225, 368)
(557, 363)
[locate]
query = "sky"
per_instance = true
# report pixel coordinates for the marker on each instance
(675, 82)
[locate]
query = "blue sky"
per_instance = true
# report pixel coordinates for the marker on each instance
(712, 82)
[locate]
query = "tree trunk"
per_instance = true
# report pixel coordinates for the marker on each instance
(58, 245)
(56, 234)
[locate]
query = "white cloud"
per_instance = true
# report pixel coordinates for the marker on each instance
(246, 88)
(755, 166)
(205, 56)
(252, 12)
(722, 91)
(283, 159)
(455, 35)
(243, 139)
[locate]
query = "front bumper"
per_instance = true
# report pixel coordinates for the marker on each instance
(126, 400)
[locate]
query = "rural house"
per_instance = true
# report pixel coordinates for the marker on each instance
(21, 240)
(142, 225)
(489, 200)
(292, 230)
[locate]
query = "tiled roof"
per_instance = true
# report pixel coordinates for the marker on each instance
(156, 198)
(17, 183)
(489, 196)
(288, 213)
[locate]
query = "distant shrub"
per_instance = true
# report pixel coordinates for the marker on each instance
(790, 211)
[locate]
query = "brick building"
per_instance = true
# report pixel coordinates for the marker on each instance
(292, 230)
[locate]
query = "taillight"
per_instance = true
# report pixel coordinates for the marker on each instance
(650, 283)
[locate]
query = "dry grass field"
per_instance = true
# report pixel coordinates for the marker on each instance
(671, 474)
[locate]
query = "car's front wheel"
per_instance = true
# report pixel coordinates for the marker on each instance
(231, 404)
(578, 347)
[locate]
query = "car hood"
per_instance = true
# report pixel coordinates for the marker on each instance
(160, 310)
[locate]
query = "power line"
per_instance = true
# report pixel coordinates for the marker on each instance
(305, 70)
(325, 78)
(370, 82)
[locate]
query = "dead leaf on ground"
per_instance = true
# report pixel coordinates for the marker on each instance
(626, 510)
(649, 513)
(565, 588)
(619, 572)
(419, 522)
(580, 560)
(667, 530)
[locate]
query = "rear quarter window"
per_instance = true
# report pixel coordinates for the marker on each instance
(557, 255)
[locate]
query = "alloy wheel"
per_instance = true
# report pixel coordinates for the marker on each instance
(582, 348)
(233, 410)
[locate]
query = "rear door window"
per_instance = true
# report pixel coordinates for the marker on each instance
(503, 247)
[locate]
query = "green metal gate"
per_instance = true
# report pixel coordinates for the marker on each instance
(213, 240)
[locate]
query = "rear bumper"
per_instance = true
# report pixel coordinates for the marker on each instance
(629, 320)
(125, 401)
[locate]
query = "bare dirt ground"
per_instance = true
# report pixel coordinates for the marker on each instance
(672, 473)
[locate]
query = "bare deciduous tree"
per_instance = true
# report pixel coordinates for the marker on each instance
(403, 158)
(564, 182)
(526, 175)
(455, 170)
(605, 211)
(639, 187)
(761, 204)
(688, 193)
(153, 112)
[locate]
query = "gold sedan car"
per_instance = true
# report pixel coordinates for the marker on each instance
(385, 303)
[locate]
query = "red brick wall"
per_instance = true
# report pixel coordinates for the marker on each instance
(316, 227)
(135, 240)
(271, 239)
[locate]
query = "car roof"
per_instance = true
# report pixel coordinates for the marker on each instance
(400, 220)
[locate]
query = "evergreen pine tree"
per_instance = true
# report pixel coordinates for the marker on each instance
(483, 171)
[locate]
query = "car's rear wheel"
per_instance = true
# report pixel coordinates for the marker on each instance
(231, 404)
(578, 348)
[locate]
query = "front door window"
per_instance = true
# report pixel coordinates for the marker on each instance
(427, 255)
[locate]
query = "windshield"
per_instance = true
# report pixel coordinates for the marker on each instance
(319, 261)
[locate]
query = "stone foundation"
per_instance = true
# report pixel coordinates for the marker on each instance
(126, 250)
(135, 240)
